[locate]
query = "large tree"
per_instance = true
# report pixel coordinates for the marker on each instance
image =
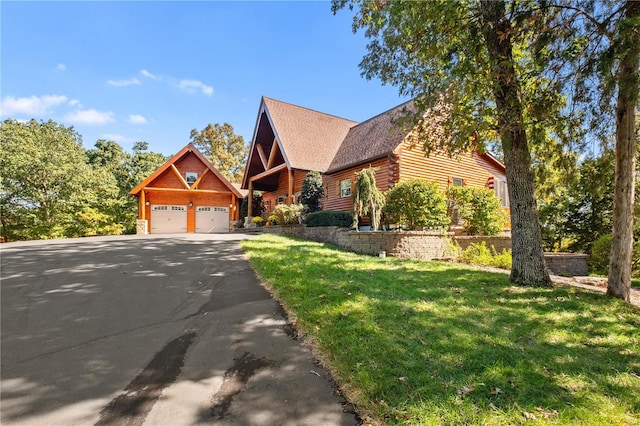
(226, 150)
(466, 62)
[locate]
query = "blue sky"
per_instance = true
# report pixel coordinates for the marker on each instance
(152, 71)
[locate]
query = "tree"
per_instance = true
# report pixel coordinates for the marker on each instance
(478, 208)
(465, 63)
(226, 150)
(417, 204)
(45, 179)
(312, 191)
(367, 198)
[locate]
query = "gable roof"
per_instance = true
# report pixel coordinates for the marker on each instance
(377, 137)
(301, 131)
(189, 149)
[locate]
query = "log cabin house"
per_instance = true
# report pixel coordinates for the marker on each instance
(289, 141)
(187, 194)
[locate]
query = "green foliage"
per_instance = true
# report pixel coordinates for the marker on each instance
(329, 218)
(434, 343)
(273, 219)
(312, 191)
(600, 252)
(478, 208)
(257, 208)
(367, 198)
(226, 150)
(480, 254)
(257, 221)
(417, 204)
(288, 214)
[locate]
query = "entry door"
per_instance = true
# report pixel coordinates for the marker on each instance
(168, 219)
(212, 219)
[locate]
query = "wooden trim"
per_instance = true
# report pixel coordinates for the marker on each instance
(290, 187)
(184, 182)
(197, 182)
(272, 154)
(262, 155)
(267, 172)
(195, 191)
(142, 207)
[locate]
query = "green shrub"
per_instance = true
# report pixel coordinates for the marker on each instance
(480, 254)
(600, 252)
(288, 214)
(312, 191)
(329, 218)
(273, 219)
(416, 204)
(478, 209)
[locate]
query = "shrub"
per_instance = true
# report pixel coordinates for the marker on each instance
(600, 252)
(480, 254)
(329, 218)
(312, 191)
(273, 219)
(367, 198)
(257, 221)
(288, 214)
(478, 208)
(257, 207)
(416, 204)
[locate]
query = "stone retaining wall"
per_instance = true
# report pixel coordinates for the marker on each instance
(420, 245)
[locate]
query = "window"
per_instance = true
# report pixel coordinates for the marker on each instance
(458, 182)
(298, 197)
(345, 188)
(280, 200)
(502, 192)
(191, 177)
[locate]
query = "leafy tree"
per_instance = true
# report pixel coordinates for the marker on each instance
(478, 208)
(417, 204)
(465, 63)
(142, 164)
(226, 150)
(45, 179)
(312, 191)
(367, 198)
(257, 208)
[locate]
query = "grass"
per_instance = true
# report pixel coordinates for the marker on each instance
(416, 342)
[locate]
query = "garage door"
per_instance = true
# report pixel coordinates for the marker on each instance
(168, 219)
(212, 219)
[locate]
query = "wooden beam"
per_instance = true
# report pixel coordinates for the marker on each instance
(249, 201)
(143, 206)
(263, 156)
(272, 154)
(184, 182)
(195, 191)
(197, 182)
(267, 172)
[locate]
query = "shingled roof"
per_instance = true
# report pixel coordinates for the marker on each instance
(371, 139)
(310, 139)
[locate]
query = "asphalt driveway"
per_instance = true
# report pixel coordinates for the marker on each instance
(155, 330)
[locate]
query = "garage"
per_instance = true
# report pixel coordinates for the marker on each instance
(211, 219)
(168, 219)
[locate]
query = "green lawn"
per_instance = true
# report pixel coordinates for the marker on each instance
(432, 343)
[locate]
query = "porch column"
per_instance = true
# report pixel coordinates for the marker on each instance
(250, 201)
(143, 206)
(290, 188)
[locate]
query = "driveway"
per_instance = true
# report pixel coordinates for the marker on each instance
(154, 330)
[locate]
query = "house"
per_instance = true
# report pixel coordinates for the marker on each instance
(289, 141)
(186, 194)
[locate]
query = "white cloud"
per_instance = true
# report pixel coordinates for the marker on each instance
(34, 105)
(116, 137)
(61, 67)
(147, 74)
(192, 85)
(137, 119)
(124, 83)
(74, 102)
(90, 116)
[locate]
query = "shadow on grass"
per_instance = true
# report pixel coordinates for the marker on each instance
(424, 341)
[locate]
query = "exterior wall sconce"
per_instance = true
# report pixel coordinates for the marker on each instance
(147, 203)
(190, 203)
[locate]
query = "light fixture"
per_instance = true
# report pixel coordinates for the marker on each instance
(190, 203)
(147, 203)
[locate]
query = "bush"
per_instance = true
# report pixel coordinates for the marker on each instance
(312, 191)
(273, 219)
(288, 214)
(416, 204)
(257, 221)
(329, 218)
(600, 252)
(478, 209)
(480, 254)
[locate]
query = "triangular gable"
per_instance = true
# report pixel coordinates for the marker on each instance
(189, 149)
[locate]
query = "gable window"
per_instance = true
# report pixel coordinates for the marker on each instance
(457, 181)
(191, 177)
(345, 188)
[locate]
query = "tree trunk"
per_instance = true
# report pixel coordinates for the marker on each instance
(528, 267)
(619, 283)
